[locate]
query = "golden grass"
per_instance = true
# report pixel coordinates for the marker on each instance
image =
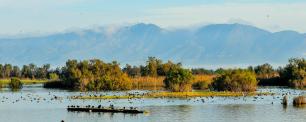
(157, 82)
(145, 82)
(166, 94)
(24, 81)
(206, 78)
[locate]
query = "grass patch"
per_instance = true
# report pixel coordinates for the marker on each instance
(166, 94)
(145, 82)
(158, 82)
(24, 81)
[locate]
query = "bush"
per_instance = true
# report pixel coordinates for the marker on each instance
(53, 76)
(294, 74)
(15, 84)
(236, 80)
(94, 75)
(121, 82)
(178, 79)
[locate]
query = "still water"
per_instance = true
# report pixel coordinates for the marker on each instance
(36, 104)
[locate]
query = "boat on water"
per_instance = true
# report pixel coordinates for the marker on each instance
(102, 109)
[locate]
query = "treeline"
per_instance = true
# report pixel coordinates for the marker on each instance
(154, 67)
(96, 74)
(30, 71)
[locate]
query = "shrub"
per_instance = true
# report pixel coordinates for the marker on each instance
(53, 76)
(236, 80)
(94, 75)
(294, 74)
(178, 79)
(15, 84)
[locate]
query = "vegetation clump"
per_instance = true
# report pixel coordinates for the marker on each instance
(94, 75)
(236, 80)
(178, 79)
(294, 74)
(202, 82)
(15, 84)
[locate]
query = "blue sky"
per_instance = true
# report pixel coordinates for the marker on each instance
(19, 17)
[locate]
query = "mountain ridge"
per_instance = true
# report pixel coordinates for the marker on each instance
(215, 44)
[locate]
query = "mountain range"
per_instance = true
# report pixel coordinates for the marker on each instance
(210, 45)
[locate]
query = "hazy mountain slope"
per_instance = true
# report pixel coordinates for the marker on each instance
(221, 44)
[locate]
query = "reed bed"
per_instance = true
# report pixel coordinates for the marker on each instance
(202, 82)
(24, 81)
(158, 82)
(147, 82)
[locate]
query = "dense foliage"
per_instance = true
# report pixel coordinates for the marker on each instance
(266, 75)
(98, 75)
(294, 73)
(30, 71)
(15, 84)
(154, 67)
(94, 75)
(236, 80)
(178, 79)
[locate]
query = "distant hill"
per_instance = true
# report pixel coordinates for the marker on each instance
(217, 44)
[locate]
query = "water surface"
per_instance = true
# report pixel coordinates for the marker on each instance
(36, 104)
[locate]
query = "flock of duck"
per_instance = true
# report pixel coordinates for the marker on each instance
(30, 97)
(52, 96)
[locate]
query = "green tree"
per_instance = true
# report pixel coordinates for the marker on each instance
(53, 76)
(7, 70)
(178, 79)
(236, 80)
(152, 65)
(95, 75)
(294, 73)
(16, 72)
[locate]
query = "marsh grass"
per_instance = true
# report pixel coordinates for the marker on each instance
(148, 82)
(166, 94)
(24, 81)
(202, 82)
(157, 83)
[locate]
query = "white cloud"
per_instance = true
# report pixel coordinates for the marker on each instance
(57, 15)
(274, 17)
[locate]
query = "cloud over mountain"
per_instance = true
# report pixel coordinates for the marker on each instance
(217, 44)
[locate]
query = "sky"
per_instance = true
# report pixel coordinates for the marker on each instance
(19, 17)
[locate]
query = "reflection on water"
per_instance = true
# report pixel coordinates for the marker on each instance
(37, 104)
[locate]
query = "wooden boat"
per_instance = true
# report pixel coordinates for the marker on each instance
(88, 109)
